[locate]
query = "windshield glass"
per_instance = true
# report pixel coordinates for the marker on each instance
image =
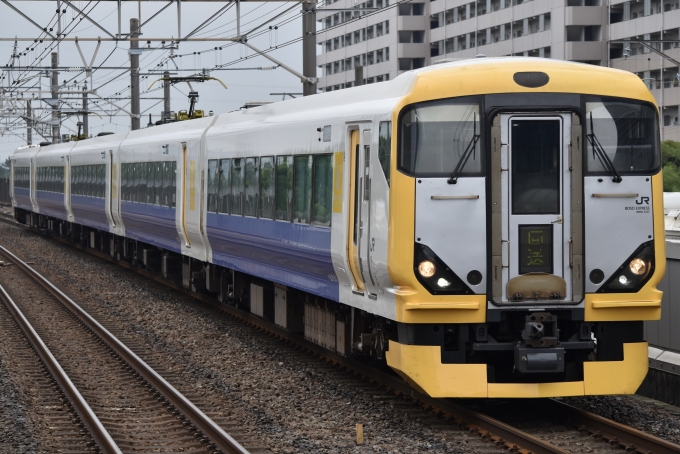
(433, 137)
(628, 132)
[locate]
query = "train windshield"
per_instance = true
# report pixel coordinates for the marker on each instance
(434, 137)
(628, 133)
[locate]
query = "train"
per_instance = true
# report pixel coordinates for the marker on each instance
(491, 227)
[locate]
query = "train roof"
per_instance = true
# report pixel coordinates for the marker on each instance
(485, 75)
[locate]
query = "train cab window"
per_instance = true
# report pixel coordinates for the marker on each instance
(284, 188)
(213, 183)
(435, 136)
(223, 186)
(267, 188)
(174, 184)
(302, 189)
(251, 187)
(323, 190)
(385, 148)
(627, 132)
(237, 186)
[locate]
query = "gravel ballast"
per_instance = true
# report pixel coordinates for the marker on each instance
(288, 400)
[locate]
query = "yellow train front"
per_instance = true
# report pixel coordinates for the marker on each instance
(526, 232)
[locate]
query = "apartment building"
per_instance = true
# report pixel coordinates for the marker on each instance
(406, 36)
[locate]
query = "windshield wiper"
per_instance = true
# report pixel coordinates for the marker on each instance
(601, 154)
(471, 147)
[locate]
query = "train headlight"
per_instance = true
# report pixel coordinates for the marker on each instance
(633, 273)
(427, 268)
(443, 282)
(435, 275)
(637, 266)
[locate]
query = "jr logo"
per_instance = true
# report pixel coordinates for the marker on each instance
(642, 201)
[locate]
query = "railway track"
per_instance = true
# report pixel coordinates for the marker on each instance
(117, 401)
(592, 429)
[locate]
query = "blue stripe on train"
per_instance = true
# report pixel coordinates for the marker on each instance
(52, 204)
(22, 197)
(90, 211)
(296, 255)
(153, 224)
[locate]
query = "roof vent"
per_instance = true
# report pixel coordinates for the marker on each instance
(105, 133)
(44, 144)
(480, 56)
(531, 79)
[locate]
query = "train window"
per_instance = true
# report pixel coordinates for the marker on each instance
(302, 188)
(150, 183)
(157, 182)
(284, 188)
(164, 199)
(136, 183)
(237, 186)
(385, 148)
(123, 181)
(174, 184)
(143, 182)
(91, 180)
(213, 176)
(251, 187)
(626, 131)
(267, 188)
(434, 136)
(323, 190)
(223, 186)
(101, 184)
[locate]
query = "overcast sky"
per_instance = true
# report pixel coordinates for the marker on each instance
(243, 86)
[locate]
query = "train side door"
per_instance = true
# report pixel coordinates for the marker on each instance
(184, 196)
(354, 217)
(365, 234)
(536, 185)
(112, 190)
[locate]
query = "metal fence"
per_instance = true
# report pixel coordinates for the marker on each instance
(4, 191)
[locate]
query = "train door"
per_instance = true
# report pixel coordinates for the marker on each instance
(183, 197)
(112, 189)
(536, 212)
(365, 206)
(67, 186)
(32, 188)
(354, 220)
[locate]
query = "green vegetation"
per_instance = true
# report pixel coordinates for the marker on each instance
(670, 160)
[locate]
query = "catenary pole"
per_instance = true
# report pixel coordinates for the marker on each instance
(55, 98)
(309, 47)
(134, 75)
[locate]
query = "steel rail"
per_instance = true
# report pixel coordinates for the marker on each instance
(498, 432)
(94, 426)
(615, 433)
(216, 434)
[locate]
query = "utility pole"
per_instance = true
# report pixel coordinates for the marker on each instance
(134, 75)
(85, 118)
(309, 47)
(358, 75)
(55, 98)
(166, 96)
(29, 123)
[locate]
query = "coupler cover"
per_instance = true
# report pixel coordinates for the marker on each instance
(530, 360)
